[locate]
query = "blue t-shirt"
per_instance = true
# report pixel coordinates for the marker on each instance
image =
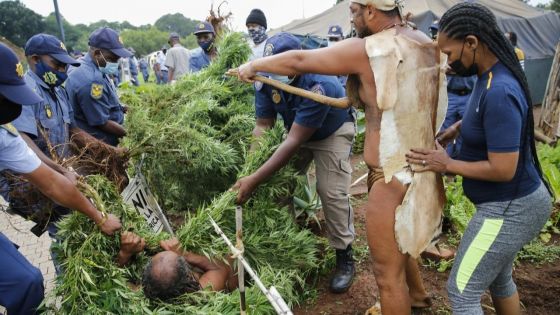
(199, 60)
(94, 100)
(495, 121)
(270, 101)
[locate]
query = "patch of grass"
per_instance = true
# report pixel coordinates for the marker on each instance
(539, 253)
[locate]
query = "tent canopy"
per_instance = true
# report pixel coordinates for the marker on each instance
(538, 31)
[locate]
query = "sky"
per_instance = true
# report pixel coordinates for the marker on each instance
(139, 12)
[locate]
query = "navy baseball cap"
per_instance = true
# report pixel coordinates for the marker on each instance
(108, 38)
(204, 27)
(335, 31)
(12, 84)
(44, 44)
(280, 43)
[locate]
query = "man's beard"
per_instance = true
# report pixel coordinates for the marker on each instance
(363, 33)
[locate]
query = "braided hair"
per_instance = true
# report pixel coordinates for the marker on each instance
(469, 18)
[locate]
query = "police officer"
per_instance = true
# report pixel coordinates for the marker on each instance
(334, 36)
(205, 36)
(133, 66)
(143, 65)
(319, 133)
(49, 123)
(256, 26)
(93, 96)
(21, 284)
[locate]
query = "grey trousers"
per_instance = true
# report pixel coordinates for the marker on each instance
(334, 175)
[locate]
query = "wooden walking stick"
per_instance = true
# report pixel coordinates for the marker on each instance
(330, 101)
(239, 246)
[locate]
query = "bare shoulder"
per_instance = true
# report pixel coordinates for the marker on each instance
(416, 35)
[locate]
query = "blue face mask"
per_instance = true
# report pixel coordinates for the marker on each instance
(50, 76)
(282, 78)
(207, 45)
(111, 68)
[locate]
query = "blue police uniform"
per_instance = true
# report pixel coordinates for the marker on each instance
(459, 90)
(21, 284)
(54, 115)
(199, 60)
(144, 68)
(94, 100)
(269, 102)
(133, 66)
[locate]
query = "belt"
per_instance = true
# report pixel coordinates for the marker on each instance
(461, 92)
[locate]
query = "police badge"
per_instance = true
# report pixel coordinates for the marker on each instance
(48, 111)
(276, 98)
(96, 91)
(268, 50)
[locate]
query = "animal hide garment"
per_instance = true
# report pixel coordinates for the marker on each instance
(412, 93)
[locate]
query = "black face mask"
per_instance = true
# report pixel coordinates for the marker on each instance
(9, 111)
(460, 69)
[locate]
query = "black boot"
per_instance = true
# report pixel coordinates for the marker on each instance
(344, 273)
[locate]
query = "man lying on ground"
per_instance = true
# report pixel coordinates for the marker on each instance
(174, 272)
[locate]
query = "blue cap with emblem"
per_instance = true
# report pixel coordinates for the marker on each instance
(204, 27)
(335, 31)
(280, 43)
(107, 38)
(12, 84)
(44, 44)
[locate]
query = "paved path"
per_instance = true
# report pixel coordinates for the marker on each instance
(35, 249)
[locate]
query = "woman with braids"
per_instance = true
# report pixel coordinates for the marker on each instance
(498, 161)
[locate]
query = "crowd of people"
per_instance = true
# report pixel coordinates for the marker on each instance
(487, 138)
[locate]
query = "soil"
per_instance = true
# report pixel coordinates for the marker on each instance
(539, 286)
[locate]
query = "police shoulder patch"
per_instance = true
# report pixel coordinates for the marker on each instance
(258, 85)
(268, 50)
(276, 97)
(318, 89)
(96, 90)
(11, 129)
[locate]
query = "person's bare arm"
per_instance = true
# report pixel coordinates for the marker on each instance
(296, 137)
(500, 167)
(262, 125)
(170, 74)
(60, 190)
(131, 244)
(346, 57)
(113, 128)
(217, 275)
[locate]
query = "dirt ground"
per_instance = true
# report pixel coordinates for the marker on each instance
(539, 287)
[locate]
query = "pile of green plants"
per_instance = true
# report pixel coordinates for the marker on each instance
(192, 134)
(283, 254)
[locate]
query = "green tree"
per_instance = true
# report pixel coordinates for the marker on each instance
(18, 23)
(144, 41)
(73, 34)
(176, 23)
(555, 5)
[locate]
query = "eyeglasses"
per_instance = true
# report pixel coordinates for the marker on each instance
(334, 39)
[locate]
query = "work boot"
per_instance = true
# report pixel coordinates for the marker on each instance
(344, 272)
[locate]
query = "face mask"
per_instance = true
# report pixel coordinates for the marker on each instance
(50, 76)
(9, 111)
(460, 69)
(282, 78)
(258, 35)
(206, 46)
(111, 68)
